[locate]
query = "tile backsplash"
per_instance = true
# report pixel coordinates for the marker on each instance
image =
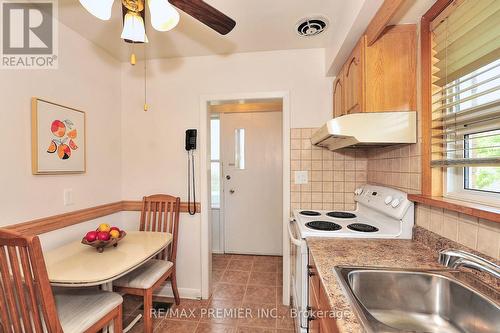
(396, 166)
(333, 176)
(477, 234)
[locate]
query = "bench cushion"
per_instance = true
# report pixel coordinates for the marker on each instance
(145, 276)
(79, 309)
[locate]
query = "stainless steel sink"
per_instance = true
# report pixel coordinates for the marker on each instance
(399, 300)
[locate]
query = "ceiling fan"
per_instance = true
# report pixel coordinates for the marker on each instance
(164, 16)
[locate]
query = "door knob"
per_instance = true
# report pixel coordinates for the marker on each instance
(231, 191)
(228, 177)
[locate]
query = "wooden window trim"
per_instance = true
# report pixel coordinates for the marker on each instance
(478, 210)
(432, 178)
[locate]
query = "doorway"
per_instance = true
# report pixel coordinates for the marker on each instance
(205, 177)
(246, 176)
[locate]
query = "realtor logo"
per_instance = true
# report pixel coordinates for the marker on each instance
(29, 34)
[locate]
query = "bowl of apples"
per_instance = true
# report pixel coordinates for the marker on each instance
(104, 236)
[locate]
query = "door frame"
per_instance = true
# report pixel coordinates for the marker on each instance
(206, 222)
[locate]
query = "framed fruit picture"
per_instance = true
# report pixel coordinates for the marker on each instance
(57, 138)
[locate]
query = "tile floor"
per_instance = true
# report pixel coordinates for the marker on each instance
(246, 298)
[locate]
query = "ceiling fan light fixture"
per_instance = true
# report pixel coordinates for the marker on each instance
(99, 8)
(164, 16)
(133, 28)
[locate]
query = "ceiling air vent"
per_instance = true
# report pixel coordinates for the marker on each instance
(312, 26)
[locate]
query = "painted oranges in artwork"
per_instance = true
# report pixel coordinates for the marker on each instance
(58, 128)
(72, 134)
(52, 148)
(64, 152)
(64, 142)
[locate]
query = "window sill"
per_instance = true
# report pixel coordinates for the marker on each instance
(478, 210)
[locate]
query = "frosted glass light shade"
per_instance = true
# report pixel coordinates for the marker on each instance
(133, 28)
(164, 16)
(99, 8)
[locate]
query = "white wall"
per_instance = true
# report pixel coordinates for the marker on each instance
(87, 79)
(217, 244)
(131, 153)
(154, 159)
(356, 15)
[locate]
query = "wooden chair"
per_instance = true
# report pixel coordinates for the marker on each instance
(160, 213)
(28, 304)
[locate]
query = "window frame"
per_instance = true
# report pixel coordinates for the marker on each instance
(454, 179)
(212, 205)
(434, 181)
(454, 185)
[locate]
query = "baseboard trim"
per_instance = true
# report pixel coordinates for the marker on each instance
(188, 293)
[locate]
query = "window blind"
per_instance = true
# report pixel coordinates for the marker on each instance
(466, 84)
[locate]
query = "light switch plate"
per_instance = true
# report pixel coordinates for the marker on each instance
(301, 177)
(68, 197)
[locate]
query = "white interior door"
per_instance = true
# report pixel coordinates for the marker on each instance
(251, 145)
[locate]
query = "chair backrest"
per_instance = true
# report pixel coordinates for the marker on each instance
(26, 300)
(160, 213)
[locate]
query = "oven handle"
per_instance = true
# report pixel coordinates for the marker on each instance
(295, 241)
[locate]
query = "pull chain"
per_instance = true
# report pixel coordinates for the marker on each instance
(146, 106)
(133, 59)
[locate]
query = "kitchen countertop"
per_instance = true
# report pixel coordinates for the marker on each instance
(330, 252)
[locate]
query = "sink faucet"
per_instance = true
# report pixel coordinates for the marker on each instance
(457, 258)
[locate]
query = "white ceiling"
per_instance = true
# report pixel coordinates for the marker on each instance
(262, 25)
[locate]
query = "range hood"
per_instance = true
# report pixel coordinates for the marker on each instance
(368, 130)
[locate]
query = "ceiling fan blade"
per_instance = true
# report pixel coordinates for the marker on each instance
(206, 14)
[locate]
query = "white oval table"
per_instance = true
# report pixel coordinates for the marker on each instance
(78, 265)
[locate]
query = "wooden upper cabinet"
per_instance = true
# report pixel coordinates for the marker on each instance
(338, 98)
(381, 77)
(354, 79)
(391, 71)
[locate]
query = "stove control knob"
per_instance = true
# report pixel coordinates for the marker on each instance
(388, 200)
(358, 191)
(395, 203)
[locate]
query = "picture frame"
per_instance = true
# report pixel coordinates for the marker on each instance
(58, 138)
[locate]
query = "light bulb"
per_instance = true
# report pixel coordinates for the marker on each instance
(133, 28)
(164, 16)
(99, 8)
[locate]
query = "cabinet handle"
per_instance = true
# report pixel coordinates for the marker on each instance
(310, 317)
(310, 271)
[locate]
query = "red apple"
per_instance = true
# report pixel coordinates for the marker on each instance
(114, 228)
(91, 236)
(103, 236)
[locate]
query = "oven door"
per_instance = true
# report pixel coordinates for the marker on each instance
(299, 279)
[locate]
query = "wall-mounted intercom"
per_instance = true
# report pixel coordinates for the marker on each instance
(191, 135)
(191, 138)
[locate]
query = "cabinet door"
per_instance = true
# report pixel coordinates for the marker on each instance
(391, 71)
(313, 301)
(354, 79)
(338, 95)
(313, 322)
